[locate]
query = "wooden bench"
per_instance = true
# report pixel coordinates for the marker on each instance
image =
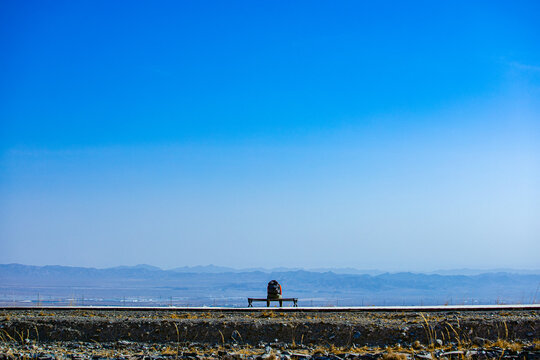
(294, 300)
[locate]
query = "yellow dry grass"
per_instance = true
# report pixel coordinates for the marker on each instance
(390, 355)
(168, 351)
(509, 345)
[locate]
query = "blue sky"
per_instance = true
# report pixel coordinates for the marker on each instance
(388, 135)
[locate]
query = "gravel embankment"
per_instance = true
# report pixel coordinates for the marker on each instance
(269, 334)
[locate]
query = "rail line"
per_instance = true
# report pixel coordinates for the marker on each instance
(444, 308)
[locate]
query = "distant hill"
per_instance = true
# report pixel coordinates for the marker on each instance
(205, 285)
(478, 271)
(140, 266)
(220, 269)
(207, 269)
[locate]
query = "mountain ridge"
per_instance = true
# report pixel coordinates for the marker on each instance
(201, 269)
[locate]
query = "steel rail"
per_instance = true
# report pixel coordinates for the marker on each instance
(444, 308)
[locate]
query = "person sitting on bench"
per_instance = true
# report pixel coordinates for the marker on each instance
(274, 293)
(274, 290)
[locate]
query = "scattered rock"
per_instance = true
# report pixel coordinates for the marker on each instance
(46, 357)
(450, 353)
(479, 341)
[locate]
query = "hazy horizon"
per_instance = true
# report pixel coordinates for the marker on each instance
(20, 284)
(339, 270)
(394, 136)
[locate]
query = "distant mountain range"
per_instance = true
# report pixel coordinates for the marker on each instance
(213, 269)
(222, 269)
(211, 285)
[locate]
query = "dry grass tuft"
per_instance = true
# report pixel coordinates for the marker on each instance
(390, 355)
(168, 351)
(44, 313)
(508, 345)
(184, 316)
(268, 314)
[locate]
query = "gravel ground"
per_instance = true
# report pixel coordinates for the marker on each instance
(268, 334)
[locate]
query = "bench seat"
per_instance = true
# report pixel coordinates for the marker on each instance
(268, 300)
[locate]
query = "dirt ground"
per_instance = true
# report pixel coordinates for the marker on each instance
(269, 333)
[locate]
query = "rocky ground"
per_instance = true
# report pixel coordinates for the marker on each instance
(268, 334)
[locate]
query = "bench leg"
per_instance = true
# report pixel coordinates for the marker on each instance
(250, 303)
(267, 303)
(280, 303)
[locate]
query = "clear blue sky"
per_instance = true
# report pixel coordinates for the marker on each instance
(381, 135)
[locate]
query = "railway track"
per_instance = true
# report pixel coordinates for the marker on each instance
(336, 309)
